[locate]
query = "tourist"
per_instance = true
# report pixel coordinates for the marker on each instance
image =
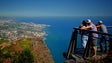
(94, 37)
(102, 28)
(84, 34)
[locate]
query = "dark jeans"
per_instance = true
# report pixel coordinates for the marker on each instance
(103, 44)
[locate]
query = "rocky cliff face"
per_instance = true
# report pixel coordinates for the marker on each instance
(10, 51)
(42, 53)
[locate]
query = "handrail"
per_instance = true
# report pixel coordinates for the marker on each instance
(86, 52)
(109, 26)
(94, 32)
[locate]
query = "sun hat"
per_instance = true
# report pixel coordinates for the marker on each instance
(100, 21)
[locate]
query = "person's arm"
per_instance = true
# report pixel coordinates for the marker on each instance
(85, 27)
(98, 26)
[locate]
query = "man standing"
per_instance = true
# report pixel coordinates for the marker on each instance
(102, 28)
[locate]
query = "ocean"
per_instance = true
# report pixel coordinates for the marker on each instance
(60, 31)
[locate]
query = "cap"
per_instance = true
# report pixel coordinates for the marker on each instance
(100, 21)
(88, 21)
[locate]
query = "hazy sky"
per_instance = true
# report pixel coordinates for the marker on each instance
(48, 8)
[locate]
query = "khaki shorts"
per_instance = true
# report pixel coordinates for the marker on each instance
(94, 42)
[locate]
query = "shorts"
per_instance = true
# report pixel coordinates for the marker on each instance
(94, 42)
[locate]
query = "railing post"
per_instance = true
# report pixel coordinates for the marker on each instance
(73, 44)
(75, 41)
(110, 44)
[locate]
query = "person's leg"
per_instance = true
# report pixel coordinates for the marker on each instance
(95, 47)
(95, 50)
(105, 43)
(84, 41)
(101, 46)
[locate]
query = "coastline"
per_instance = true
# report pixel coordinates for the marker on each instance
(13, 33)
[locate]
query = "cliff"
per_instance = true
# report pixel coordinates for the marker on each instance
(10, 51)
(22, 42)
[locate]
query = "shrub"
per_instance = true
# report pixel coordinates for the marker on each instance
(25, 57)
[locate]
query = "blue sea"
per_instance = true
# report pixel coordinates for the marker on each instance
(60, 31)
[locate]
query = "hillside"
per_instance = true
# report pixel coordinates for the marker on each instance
(10, 51)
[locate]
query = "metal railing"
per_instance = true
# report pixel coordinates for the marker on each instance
(87, 51)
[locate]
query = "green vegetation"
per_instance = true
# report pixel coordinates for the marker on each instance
(5, 53)
(25, 43)
(2, 41)
(25, 57)
(22, 51)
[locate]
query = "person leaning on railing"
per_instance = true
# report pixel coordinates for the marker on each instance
(94, 37)
(102, 28)
(84, 34)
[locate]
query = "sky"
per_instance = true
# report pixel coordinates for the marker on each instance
(55, 8)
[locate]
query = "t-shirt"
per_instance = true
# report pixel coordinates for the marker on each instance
(93, 28)
(103, 28)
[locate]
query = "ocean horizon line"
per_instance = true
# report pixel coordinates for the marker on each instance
(50, 16)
